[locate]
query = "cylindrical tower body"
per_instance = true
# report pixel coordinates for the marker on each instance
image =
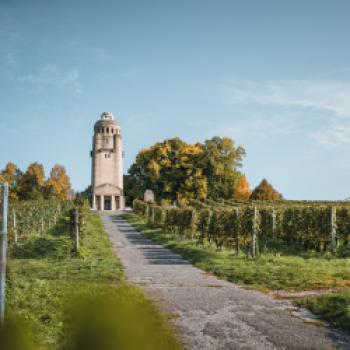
(107, 165)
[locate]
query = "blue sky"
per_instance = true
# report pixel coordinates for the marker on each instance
(273, 75)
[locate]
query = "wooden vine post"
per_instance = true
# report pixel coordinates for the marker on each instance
(255, 231)
(3, 251)
(193, 222)
(14, 225)
(76, 229)
(147, 212)
(237, 233)
(152, 214)
(333, 229)
(274, 224)
(42, 224)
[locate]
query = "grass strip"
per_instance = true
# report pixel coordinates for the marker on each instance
(334, 308)
(47, 283)
(266, 272)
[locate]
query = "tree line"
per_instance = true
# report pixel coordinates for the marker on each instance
(32, 183)
(178, 171)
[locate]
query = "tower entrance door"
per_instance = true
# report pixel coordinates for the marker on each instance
(107, 203)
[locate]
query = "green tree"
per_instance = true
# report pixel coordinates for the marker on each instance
(175, 170)
(132, 189)
(171, 169)
(265, 191)
(221, 161)
(31, 184)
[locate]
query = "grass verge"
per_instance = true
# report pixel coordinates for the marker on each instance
(334, 308)
(48, 286)
(268, 271)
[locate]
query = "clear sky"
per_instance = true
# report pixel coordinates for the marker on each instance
(273, 75)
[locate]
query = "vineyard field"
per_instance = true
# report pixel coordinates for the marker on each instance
(289, 246)
(257, 226)
(272, 272)
(53, 290)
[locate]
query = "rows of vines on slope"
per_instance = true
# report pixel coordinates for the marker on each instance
(37, 217)
(242, 225)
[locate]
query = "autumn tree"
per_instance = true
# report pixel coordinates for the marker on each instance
(242, 190)
(58, 184)
(12, 175)
(171, 169)
(265, 191)
(31, 184)
(175, 170)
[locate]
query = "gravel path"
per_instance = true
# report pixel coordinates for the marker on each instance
(211, 313)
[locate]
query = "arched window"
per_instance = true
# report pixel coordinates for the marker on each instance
(107, 130)
(112, 131)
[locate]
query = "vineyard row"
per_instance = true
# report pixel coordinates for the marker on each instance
(323, 228)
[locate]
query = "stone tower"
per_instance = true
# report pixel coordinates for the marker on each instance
(107, 165)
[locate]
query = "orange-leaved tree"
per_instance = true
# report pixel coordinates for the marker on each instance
(11, 174)
(265, 191)
(242, 190)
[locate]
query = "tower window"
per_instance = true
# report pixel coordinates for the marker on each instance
(112, 130)
(107, 130)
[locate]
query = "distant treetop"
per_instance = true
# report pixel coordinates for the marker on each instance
(265, 191)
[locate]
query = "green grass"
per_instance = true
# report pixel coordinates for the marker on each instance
(45, 277)
(334, 308)
(266, 272)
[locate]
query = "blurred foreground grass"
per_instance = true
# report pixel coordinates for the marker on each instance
(68, 302)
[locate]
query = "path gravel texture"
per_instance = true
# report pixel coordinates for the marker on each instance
(210, 313)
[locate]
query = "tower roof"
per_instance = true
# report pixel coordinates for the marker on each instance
(106, 119)
(107, 116)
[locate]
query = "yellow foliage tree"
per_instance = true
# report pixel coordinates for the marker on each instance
(175, 170)
(58, 184)
(10, 175)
